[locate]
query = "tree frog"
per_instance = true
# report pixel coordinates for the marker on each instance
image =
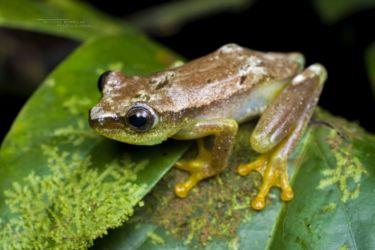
(210, 96)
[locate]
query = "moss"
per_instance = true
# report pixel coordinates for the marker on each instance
(234, 244)
(76, 104)
(213, 210)
(75, 134)
(329, 207)
(71, 206)
(348, 170)
(344, 247)
(155, 238)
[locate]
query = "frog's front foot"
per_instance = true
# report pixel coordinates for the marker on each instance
(199, 169)
(274, 171)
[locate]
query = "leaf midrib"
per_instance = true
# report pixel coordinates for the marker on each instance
(341, 203)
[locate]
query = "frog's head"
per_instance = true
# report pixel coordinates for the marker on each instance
(124, 113)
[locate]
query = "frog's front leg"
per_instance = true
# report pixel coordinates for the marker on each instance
(207, 163)
(279, 129)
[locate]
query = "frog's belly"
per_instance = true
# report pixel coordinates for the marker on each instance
(245, 106)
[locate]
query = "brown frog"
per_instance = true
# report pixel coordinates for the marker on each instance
(210, 96)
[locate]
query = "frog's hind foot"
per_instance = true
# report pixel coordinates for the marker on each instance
(280, 128)
(274, 172)
(199, 169)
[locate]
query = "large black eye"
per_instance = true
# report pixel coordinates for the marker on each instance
(102, 80)
(141, 118)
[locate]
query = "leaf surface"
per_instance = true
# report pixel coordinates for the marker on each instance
(332, 11)
(332, 172)
(57, 174)
(67, 18)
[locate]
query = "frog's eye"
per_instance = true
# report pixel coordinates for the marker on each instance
(102, 80)
(141, 118)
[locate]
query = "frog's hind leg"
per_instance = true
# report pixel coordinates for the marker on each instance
(207, 163)
(279, 129)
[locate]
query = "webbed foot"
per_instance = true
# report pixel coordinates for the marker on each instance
(274, 172)
(199, 169)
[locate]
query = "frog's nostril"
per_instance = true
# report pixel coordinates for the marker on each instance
(95, 113)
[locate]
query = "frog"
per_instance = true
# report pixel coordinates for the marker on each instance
(210, 97)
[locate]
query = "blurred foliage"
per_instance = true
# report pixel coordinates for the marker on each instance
(332, 11)
(370, 61)
(68, 18)
(26, 58)
(169, 17)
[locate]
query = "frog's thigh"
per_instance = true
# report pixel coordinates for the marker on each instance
(280, 128)
(296, 102)
(207, 163)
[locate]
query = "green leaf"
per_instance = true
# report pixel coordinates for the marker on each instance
(63, 184)
(333, 175)
(370, 61)
(170, 16)
(332, 11)
(72, 19)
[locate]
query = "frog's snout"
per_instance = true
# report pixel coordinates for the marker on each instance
(99, 120)
(93, 118)
(94, 123)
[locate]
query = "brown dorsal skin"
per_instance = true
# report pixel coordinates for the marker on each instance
(232, 82)
(228, 71)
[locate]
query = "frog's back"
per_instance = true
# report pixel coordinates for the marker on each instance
(225, 76)
(229, 71)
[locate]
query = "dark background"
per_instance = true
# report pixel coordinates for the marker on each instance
(268, 25)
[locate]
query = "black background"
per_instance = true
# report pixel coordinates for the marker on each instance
(271, 25)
